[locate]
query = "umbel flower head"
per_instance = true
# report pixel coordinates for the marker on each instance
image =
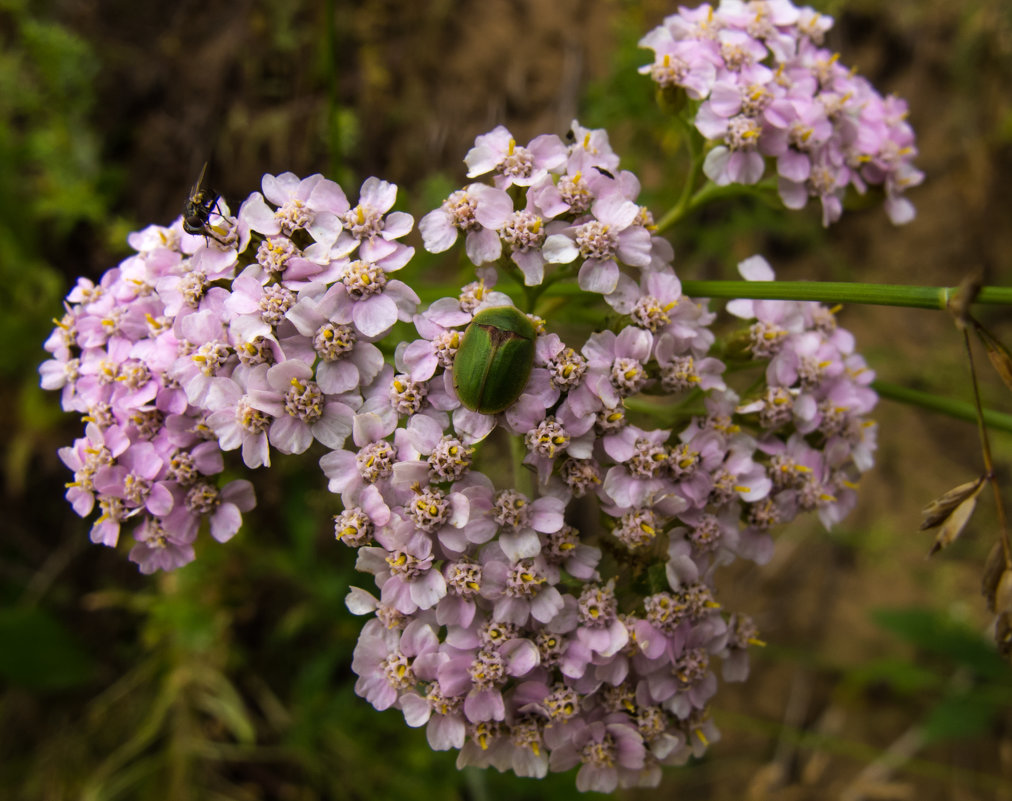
(511, 634)
(542, 580)
(762, 89)
(256, 339)
(548, 646)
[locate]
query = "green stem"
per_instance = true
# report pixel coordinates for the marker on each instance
(534, 293)
(523, 478)
(918, 297)
(707, 192)
(691, 175)
(961, 410)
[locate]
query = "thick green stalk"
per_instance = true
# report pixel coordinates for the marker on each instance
(918, 297)
(831, 292)
(961, 410)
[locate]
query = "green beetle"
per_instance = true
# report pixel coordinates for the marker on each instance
(494, 359)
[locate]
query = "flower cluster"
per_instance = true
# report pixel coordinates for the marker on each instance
(564, 615)
(257, 335)
(125, 358)
(576, 622)
(764, 87)
(576, 207)
(563, 611)
(559, 616)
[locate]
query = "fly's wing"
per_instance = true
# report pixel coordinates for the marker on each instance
(196, 187)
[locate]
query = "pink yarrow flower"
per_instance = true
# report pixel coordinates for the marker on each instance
(513, 164)
(477, 210)
(614, 235)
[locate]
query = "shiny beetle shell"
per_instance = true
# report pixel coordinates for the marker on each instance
(493, 362)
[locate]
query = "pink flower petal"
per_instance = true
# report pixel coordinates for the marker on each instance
(374, 316)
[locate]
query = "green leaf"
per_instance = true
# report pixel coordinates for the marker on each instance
(219, 699)
(899, 674)
(39, 653)
(937, 634)
(960, 716)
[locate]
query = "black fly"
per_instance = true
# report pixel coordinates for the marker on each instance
(198, 208)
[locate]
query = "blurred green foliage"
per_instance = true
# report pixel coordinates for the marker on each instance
(52, 181)
(39, 653)
(969, 684)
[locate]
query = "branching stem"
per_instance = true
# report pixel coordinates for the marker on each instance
(985, 448)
